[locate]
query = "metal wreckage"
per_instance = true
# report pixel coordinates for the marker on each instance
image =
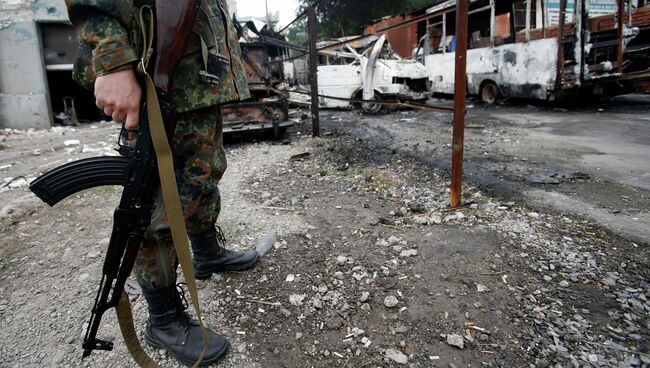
(368, 70)
(540, 49)
(268, 109)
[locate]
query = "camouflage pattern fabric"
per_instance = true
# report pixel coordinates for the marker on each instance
(200, 162)
(110, 42)
(110, 35)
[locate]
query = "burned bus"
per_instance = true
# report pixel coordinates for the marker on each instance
(541, 49)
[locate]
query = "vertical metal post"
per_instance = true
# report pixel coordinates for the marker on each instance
(560, 44)
(493, 23)
(629, 13)
(427, 41)
(460, 93)
(619, 20)
(528, 8)
(313, 67)
(579, 33)
(544, 17)
(444, 33)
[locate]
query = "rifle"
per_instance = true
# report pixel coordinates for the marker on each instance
(136, 169)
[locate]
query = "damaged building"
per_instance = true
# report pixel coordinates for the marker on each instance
(37, 52)
(526, 49)
(37, 49)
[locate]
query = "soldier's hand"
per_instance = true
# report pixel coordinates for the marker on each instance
(119, 94)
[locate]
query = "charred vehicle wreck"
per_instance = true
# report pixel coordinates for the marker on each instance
(542, 49)
(369, 70)
(268, 108)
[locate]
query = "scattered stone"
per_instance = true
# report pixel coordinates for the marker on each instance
(382, 243)
(241, 348)
(264, 245)
(396, 356)
(364, 297)
(297, 299)
(290, 278)
(456, 340)
(534, 215)
(391, 301)
(334, 323)
(609, 281)
(417, 207)
(409, 253)
(317, 304)
(482, 288)
(436, 219)
(564, 283)
(421, 220)
(401, 329)
(394, 240)
(322, 289)
(71, 142)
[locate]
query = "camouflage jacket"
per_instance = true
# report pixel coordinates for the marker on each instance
(110, 41)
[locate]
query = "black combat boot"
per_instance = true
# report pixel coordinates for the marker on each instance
(211, 257)
(169, 327)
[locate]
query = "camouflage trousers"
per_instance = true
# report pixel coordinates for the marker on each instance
(199, 162)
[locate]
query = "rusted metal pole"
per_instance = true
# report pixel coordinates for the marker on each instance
(620, 23)
(543, 19)
(493, 23)
(460, 93)
(528, 9)
(313, 71)
(560, 44)
(579, 34)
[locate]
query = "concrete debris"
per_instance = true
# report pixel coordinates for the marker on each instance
(297, 299)
(456, 340)
(396, 356)
(408, 253)
(266, 244)
(391, 301)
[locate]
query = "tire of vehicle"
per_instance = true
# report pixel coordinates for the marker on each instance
(373, 108)
(489, 92)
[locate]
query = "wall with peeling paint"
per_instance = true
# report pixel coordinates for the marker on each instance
(24, 97)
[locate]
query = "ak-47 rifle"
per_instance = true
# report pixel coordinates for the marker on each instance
(136, 169)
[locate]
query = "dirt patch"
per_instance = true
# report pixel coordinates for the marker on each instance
(371, 269)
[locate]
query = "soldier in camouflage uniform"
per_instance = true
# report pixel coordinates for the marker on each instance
(204, 79)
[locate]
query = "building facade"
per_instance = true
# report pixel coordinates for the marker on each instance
(24, 94)
(37, 50)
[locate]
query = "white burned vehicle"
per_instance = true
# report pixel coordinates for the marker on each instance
(376, 73)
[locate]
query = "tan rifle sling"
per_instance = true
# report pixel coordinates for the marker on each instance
(172, 203)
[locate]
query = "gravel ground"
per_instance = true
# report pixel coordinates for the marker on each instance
(371, 269)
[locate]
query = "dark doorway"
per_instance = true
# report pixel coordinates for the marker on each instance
(60, 44)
